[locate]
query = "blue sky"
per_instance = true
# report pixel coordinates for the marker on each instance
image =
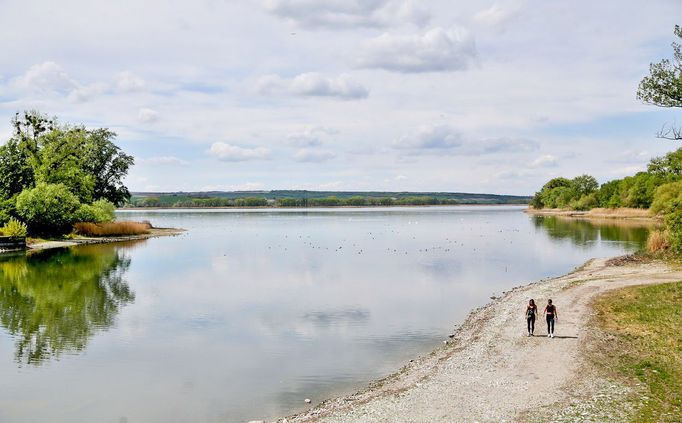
(440, 95)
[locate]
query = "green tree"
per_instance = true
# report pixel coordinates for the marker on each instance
(48, 209)
(663, 86)
(105, 161)
(584, 185)
(668, 166)
(16, 173)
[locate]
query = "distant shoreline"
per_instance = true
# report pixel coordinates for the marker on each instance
(397, 206)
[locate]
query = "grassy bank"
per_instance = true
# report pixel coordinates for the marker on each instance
(644, 346)
(624, 213)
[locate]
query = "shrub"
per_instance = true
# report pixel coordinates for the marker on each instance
(658, 241)
(98, 212)
(47, 209)
(673, 221)
(664, 196)
(586, 202)
(112, 228)
(13, 227)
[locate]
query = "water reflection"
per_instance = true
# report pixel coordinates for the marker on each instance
(583, 232)
(54, 301)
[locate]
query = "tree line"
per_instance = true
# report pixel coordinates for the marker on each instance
(659, 188)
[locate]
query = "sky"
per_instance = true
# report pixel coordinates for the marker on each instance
(389, 95)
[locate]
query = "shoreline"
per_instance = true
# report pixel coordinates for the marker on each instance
(637, 215)
(489, 357)
(368, 206)
(154, 233)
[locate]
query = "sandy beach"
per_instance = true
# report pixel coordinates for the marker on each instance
(491, 371)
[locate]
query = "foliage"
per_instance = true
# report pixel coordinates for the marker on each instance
(15, 171)
(664, 196)
(14, 228)
(673, 221)
(48, 209)
(663, 86)
(98, 212)
(668, 166)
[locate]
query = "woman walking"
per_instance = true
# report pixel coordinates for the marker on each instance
(552, 315)
(531, 313)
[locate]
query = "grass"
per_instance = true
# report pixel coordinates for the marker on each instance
(112, 228)
(657, 241)
(645, 345)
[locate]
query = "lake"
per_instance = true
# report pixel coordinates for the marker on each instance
(252, 311)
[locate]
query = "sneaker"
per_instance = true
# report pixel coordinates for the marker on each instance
(552, 336)
(528, 333)
(532, 334)
(549, 335)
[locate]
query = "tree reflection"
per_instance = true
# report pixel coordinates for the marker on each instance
(55, 301)
(581, 232)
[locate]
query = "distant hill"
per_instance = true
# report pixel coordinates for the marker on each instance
(302, 198)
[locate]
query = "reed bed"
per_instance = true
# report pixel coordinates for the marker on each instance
(658, 241)
(112, 228)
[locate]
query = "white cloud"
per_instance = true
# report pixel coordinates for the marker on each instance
(46, 77)
(498, 15)
(162, 161)
(430, 138)
(232, 153)
(310, 136)
(443, 139)
(436, 50)
(127, 82)
(313, 155)
(313, 84)
(546, 160)
(343, 14)
(146, 115)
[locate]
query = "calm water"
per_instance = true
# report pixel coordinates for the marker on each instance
(251, 312)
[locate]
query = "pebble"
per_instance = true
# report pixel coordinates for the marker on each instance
(307, 401)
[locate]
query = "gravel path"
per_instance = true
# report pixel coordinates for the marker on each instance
(491, 371)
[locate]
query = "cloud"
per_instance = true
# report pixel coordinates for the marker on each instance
(345, 14)
(146, 115)
(232, 153)
(430, 138)
(127, 82)
(310, 136)
(46, 77)
(437, 50)
(162, 161)
(313, 84)
(546, 160)
(498, 15)
(247, 186)
(631, 157)
(443, 139)
(313, 155)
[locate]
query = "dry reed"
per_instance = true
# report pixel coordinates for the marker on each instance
(657, 241)
(112, 228)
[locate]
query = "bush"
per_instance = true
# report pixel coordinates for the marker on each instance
(112, 228)
(586, 202)
(673, 221)
(98, 212)
(14, 228)
(664, 196)
(48, 209)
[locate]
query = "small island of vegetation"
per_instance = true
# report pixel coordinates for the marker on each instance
(60, 179)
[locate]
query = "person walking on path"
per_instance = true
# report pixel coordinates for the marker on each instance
(531, 314)
(551, 313)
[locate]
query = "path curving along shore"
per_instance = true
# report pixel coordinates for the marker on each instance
(490, 371)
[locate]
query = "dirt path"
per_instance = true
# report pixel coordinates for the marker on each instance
(491, 371)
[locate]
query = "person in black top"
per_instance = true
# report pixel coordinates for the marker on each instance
(552, 315)
(531, 313)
